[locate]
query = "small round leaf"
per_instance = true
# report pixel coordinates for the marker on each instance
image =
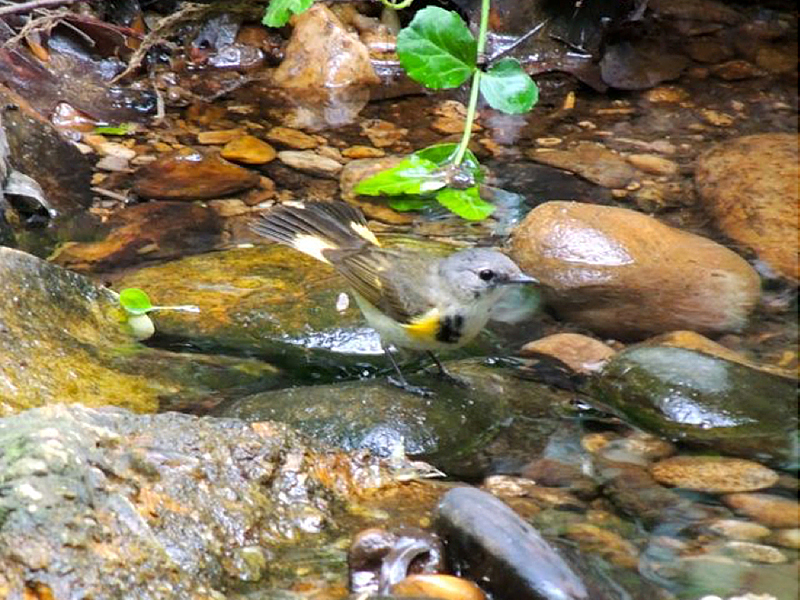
(135, 301)
(508, 88)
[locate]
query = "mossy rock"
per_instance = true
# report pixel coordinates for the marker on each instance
(63, 339)
(704, 401)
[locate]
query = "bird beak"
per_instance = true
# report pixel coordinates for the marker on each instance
(522, 278)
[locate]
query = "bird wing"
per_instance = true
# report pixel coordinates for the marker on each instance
(386, 280)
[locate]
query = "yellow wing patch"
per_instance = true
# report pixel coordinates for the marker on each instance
(312, 246)
(364, 232)
(424, 327)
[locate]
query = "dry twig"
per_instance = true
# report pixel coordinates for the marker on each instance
(23, 7)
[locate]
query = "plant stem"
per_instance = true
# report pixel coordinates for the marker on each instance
(476, 85)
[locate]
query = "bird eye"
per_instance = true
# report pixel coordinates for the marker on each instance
(486, 274)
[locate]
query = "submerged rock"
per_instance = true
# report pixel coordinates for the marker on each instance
(749, 186)
(145, 232)
(487, 540)
(704, 401)
(591, 161)
(190, 175)
(451, 431)
(63, 339)
(107, 504)
(627, 275)
(268, 300)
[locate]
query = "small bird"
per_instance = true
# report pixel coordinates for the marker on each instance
(413, 299)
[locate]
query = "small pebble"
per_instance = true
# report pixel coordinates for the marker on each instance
(739, 530)
(713, 474)
(755, 552)
(767, 509)
(292, 138)
(222, 136)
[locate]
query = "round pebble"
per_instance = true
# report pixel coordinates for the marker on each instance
(755, 552)
(767, 509)
(713, 474)
(788, 538)
(739, 530)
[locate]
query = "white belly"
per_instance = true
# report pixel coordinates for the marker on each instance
(392, 332)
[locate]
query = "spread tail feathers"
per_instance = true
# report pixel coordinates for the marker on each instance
(316, 227)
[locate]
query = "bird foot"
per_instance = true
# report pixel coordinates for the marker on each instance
(411, 389)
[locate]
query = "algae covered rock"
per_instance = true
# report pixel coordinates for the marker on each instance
(704, 401)
(102, 503)
(268, 300)
(63, 339)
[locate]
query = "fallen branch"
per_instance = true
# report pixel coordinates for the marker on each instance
(33, 5)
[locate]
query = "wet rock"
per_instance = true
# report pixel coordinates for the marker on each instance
(553, 473)
(445, 587)
(358, 152)
(292, 138)
(129, 500)
(625, 275)
(713, 576)
(219, 136)
(716, 118)
(628, 66)
(655, 165)
(523, 566)
(749, 186)
(579, 352)
(509, 488)
(323, 61)
(190, 175)
(703, 401)
(268, 300)
(694, 341)
(634, 491)
(638, 448)
(608, 544)
(697, 10)
(382, 133)
(709, 50)
(249, 150)
(591, 161)
(767, 509)
(144, 232)
(713, 474)
(63, 339)
(788, 538)
(450, 432)
(736, 70)
(777, 59)
(38, 150)
(667, 94)
(758, 553)
(310, 162)
(738, 530)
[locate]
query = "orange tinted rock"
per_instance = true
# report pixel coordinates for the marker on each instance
(189, 175)
(444, 587)
(579, 352)
(627, 275)
(767, 509)
(749, 186)
(249, 150)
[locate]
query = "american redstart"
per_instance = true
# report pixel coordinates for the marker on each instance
(413, 299)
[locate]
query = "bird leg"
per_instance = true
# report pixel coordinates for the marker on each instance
(401, 382)
(445, 374)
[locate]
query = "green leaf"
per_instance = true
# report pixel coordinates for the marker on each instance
(508, 88)
(135, 301)
(414, 175)
(409, 203)
(121, 129)
(465, 203)
(437, 49)
(279, 11)
(441, 154)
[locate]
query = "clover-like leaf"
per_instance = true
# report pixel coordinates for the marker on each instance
(409, 203)
(413, 175)
(135, 301)
(508, 88)
(280, 11)
(437, 49)
(465, 203)
(442, 154)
